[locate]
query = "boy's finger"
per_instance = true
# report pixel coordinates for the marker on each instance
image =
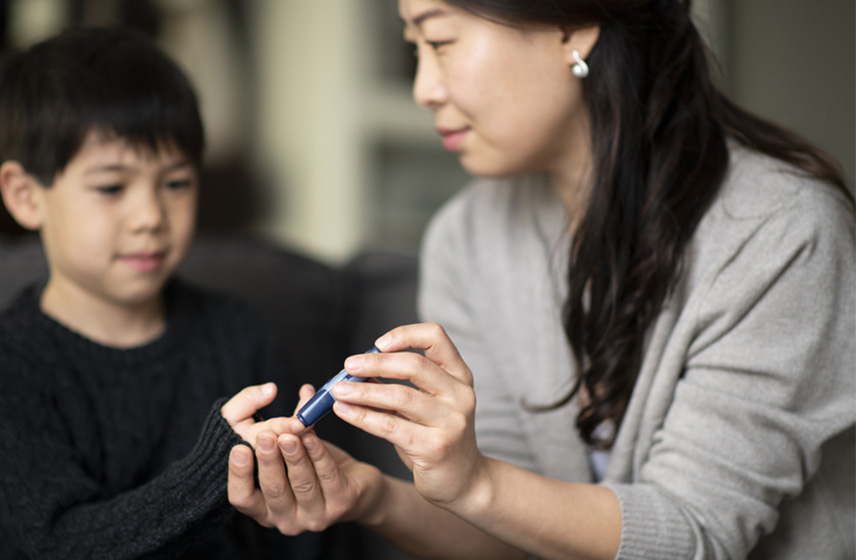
(306, 392)
(247, 402)
(326, 467)
(241, 487)
(283, 425)
(274, 483)
(305, 488)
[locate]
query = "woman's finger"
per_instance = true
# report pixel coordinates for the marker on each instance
(247, 402)
(405, 366)
(432, 339)
(407, 402)
(241, 486)
(396, 430)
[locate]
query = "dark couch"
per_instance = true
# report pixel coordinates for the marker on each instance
(321, 314)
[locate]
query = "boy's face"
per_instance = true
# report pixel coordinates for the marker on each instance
(117, 221)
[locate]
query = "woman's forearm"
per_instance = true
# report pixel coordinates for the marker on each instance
(509, 511)
(422, 530)
(545, 517)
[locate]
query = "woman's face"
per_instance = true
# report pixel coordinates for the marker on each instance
(504, 99)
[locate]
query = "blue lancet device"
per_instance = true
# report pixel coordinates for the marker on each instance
(322, 402)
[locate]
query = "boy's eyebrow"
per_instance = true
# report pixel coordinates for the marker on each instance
(120, 167)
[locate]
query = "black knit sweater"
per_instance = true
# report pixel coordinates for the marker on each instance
(122, 453)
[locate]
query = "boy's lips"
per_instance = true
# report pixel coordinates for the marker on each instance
(143, 261)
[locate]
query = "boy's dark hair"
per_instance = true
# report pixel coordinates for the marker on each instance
(113, 81)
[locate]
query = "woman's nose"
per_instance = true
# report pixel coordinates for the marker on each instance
(429, 90)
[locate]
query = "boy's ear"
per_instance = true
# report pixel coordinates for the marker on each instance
(21, 195)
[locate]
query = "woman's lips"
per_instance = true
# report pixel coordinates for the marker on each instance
(452, 139)
(144, 262)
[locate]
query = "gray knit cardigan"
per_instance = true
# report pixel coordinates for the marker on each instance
(739, 437)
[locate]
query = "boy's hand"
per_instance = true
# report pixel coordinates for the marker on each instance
(304, 484)
(239, 411)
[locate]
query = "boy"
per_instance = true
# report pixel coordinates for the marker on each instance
(113, 440)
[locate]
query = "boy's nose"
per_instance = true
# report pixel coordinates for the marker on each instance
(429, 91)
(148, 213)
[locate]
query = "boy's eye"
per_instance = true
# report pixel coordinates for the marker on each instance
(179, 184)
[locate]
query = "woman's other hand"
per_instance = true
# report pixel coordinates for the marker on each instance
(431, 422)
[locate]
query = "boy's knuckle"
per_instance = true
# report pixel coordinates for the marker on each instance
(274, 491)
(287, 529)
(315, 525)
(327, 475)
(305, 487)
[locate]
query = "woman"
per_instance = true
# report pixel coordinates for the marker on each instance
(651, 291)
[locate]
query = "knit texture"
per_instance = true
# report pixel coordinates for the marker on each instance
(122, 453)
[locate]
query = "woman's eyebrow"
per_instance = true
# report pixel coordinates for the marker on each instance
(420, 19)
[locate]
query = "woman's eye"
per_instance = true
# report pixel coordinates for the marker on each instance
(111, 190)
(437, 44)
(433, 45)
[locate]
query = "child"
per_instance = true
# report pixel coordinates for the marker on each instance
(113, 440)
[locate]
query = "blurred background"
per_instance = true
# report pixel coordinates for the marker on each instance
(315, 143)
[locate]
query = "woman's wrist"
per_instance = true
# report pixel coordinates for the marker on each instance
(480, 494)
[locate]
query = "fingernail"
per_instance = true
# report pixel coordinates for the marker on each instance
(289, 447)
(309, 443)
(383, 341)
(342, 408)
(267, 389)
(354, 363)
(266, 444)
(239, 458)
(343, 388)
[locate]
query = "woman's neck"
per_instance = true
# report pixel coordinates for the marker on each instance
(573, 183)
(571, 174)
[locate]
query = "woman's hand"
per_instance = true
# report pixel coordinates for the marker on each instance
(304, 483)
(431, 425)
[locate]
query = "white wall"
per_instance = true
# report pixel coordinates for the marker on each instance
(794, 61)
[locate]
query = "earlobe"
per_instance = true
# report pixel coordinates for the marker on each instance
(20, 195)
(578, 44)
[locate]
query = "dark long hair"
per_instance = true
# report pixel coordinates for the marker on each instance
(658, 130)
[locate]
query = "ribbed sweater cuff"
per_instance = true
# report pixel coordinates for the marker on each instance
(201, 476)
(651, 525)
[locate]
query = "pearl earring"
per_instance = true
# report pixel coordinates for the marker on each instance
(580, 69)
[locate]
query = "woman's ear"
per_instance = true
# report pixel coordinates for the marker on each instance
(580, 40)
(21, 195)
